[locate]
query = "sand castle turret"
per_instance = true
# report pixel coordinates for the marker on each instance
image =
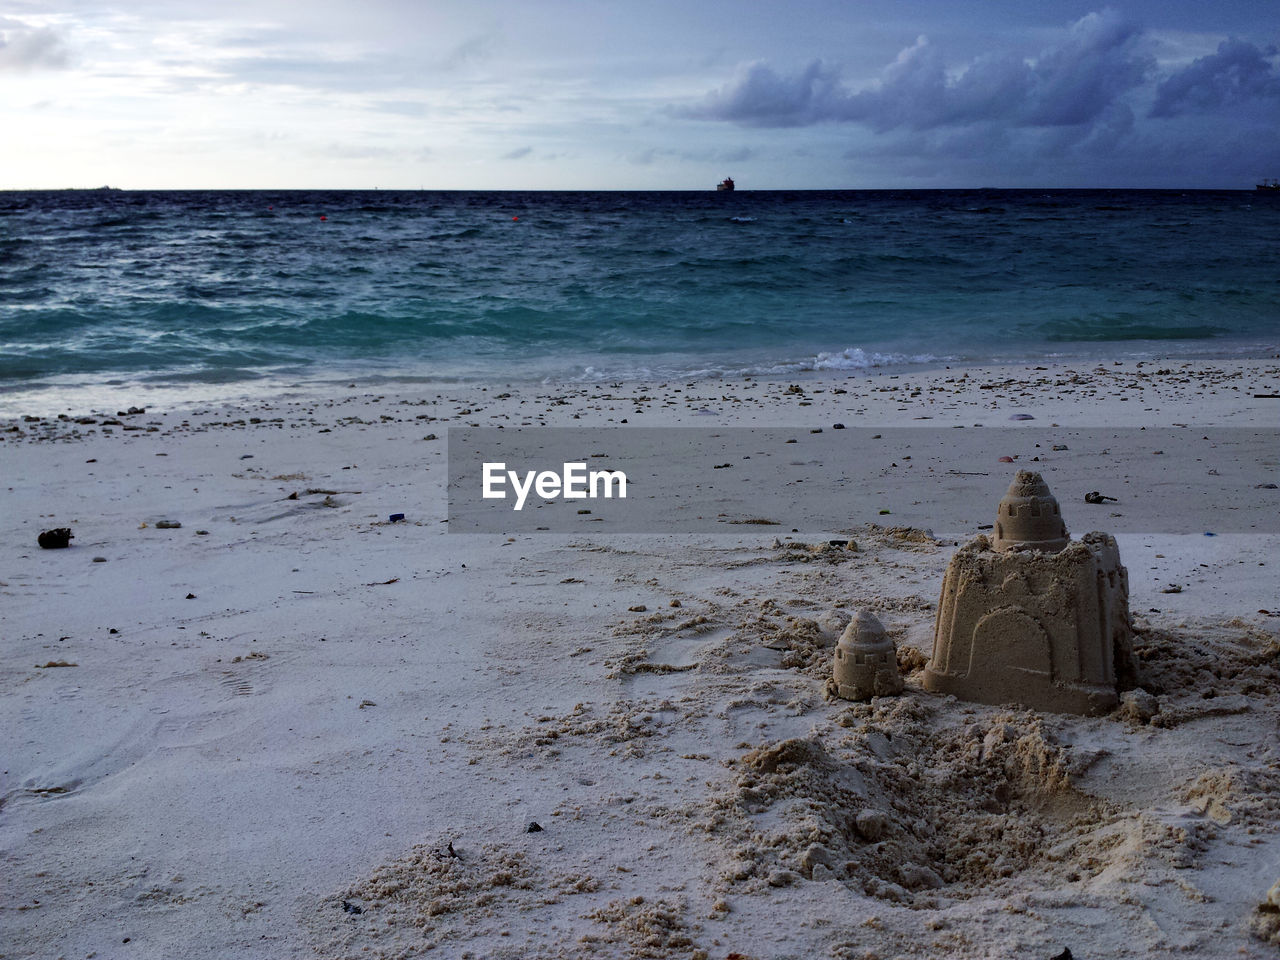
(1031, 616)
(866, 661)
(1028, 517)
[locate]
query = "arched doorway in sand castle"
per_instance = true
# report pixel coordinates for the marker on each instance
(1024, 644)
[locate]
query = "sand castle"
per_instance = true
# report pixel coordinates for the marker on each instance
(1030, 616)
(866, 661)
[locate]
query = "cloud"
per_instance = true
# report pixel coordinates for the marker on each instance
(471, 51)
(645, 158)
(669, 156)
(315, 72)
(404, 108)
(31, 48)
(740, 155)
(517, 154)
(355, 151)
(1072, 82)
(1236, 74)
(759, 97)
(1076, 81)
(320, 68)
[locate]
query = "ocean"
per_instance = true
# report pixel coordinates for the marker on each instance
(219, 294)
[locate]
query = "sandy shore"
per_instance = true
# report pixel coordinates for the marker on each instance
(289, 727)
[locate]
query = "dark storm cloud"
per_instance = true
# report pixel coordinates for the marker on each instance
(1076, 81)
(1237, 74)
(1071, 83)
(31, 48)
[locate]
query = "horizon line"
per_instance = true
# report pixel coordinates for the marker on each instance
(113, 189)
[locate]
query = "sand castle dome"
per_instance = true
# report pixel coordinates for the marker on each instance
(1028, 517)
(866, 660)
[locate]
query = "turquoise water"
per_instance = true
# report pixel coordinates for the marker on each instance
(219, 290)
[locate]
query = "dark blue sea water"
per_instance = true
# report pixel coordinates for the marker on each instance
(234, 291)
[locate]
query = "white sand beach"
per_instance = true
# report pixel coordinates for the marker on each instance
(291, 728)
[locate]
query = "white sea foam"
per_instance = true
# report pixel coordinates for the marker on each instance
(677, 367)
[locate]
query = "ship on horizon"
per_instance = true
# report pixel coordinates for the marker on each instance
(727, 184)
(1269, 185)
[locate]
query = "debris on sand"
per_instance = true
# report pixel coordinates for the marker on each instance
(55, 539)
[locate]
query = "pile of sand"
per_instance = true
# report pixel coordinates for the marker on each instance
(903, 803)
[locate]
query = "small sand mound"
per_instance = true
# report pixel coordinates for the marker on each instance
(911, 660)
(1249, 795)
(804, 642)
(903, 538)
(651, 928)
(1208, 660)
(432, 894)
(899, 807)
(822, 552)
(1266, 919)
(477, 901)
(1206, 670)
(910, 535)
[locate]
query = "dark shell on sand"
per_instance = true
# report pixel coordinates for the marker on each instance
(55, 539)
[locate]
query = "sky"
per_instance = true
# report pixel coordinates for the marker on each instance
(647, 94)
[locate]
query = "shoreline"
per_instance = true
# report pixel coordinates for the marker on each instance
(333, 387)
(273, 731)
(80, 399)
